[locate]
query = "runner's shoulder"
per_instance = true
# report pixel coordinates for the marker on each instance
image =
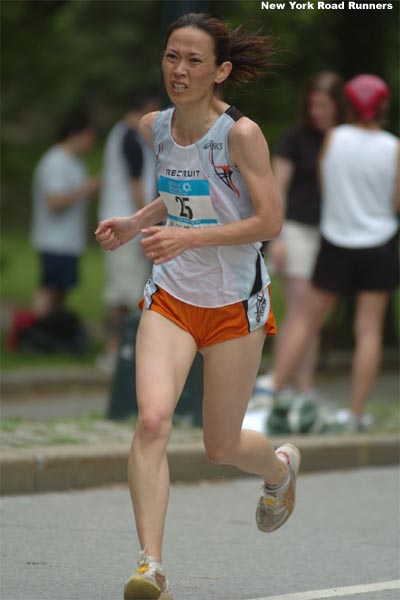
(146, 126)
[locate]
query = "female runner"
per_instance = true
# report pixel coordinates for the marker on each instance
(209, 288)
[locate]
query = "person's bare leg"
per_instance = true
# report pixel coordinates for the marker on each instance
(368, 329)
(47, 300)
(308, 324)
(164, 354)
(295, 293)
(115, 317)
(230, 369)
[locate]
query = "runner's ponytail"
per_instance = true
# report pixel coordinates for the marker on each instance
(250, 55)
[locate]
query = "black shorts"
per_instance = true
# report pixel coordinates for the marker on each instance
(341, 270)
(58, 271)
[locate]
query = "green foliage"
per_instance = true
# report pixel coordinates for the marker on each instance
(101, 51)
(307, 41)
(10, 425)
(12, 361)
(20, 276)
(58, 52)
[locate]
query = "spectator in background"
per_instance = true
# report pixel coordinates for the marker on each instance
(293, 254)
(61, 190)
(359, 245)
(128, 184)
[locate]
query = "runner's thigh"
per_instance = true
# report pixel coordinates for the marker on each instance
(230, 370)
(164, 354)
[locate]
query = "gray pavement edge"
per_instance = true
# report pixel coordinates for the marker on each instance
(44, 469)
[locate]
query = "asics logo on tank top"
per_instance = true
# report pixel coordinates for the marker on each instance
(213, 145)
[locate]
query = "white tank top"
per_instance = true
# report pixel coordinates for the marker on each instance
(359, 171)
(201, 188)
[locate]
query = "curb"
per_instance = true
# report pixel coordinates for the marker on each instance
(38, 380)
(46, 469)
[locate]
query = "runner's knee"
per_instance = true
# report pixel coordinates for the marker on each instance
(154, 425)
(219, 452)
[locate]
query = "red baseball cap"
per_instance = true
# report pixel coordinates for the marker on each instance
(365, 92)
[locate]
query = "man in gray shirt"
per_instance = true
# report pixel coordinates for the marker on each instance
(128, 184)
(61, 190)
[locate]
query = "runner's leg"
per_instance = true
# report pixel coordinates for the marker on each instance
(164, 354)
(230, 370)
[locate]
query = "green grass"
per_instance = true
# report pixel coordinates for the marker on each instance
(10, 425)
(94, 429)
(87, 429)
(386, 416)
(11, 361)
(20, 276)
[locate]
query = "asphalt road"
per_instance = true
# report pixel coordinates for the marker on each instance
(82, 545)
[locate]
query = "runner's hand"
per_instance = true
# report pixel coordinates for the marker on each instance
(161, 243)
(113, 233)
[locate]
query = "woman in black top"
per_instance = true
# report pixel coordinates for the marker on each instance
(295, 167)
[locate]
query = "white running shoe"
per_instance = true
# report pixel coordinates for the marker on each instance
(276, 504)
(149, 581)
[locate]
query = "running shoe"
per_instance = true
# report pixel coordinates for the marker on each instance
(277, 503)
(149, 581)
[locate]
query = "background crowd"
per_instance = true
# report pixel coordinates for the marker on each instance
(94, 164)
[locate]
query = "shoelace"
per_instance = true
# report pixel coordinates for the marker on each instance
(270, 496)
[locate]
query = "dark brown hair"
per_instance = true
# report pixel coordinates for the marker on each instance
(331, 83)
(73, 122)
(249, 53)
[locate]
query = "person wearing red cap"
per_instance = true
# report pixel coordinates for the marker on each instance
(359, 173)
(369, 95)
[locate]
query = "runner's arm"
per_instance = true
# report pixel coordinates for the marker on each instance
(250, 154)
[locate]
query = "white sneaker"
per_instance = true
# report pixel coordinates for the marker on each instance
(351, 423)
(107, 362)
(149, 581)
(263, 392)
(276, 504)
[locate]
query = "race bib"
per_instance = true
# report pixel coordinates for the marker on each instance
(188, 202)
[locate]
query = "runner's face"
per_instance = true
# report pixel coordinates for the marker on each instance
(188, 65)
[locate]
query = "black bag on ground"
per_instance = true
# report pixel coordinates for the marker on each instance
(57, 333)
